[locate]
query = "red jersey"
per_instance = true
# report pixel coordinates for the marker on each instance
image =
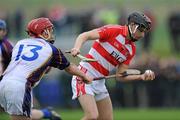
(111, 49)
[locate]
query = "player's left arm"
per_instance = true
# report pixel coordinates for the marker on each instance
(147, 75)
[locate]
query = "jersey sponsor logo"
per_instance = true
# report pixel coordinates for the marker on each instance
(107, 61)
(117, 56)
(118, 52)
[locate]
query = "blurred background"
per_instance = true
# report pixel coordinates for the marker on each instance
(159, 51)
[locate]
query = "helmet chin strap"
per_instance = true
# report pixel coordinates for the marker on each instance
(131, 33)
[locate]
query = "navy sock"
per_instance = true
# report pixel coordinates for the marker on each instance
(46, 112)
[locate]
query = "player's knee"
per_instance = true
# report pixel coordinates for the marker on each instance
(92, 116)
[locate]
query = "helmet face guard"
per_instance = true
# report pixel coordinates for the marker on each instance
(131, 34)
(143, 28)
(51, 33)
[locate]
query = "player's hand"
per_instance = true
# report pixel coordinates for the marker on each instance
(87, 79)
(75, 52)
(148, 75)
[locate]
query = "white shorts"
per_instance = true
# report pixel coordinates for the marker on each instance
(15, 97)
(96, 88)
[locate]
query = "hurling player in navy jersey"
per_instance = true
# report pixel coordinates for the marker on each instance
(30, 59)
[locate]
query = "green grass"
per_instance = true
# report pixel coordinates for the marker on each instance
(123, 114)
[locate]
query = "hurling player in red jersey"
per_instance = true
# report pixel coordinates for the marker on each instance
(113, 48)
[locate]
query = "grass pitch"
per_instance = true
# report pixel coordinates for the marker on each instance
(122, 114)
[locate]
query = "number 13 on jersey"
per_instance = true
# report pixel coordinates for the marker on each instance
(34, 50)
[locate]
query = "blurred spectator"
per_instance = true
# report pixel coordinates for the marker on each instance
(105, 16)
(164, 91)
(18, 22)
(5, 48)
(6, 17)
(43, 13)
(122, 16)
(85, 21)
(147, 40)
(174, 28)
(58, 16)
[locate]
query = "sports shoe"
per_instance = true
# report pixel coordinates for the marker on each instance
(55, 115)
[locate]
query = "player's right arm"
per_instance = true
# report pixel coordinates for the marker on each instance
(82, 38)
(59, 61)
